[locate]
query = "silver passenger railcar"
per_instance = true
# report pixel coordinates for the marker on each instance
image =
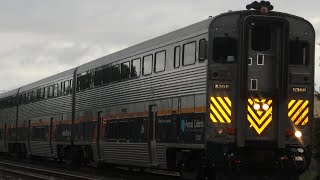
(233, 91)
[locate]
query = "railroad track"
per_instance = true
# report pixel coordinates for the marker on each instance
(37, 173)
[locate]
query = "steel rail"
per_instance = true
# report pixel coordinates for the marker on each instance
(31, 171)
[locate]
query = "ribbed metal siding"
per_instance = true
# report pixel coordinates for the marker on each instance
(128, 153)
(38, 148)
(181, 82)
(161, 155)
(45, 107)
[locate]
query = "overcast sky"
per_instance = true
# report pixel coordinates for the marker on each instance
(41, 38)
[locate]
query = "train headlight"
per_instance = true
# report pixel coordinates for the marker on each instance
(298, 134)
(256, 106)
(265, 107)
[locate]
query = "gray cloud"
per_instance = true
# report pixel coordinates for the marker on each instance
(40, 38)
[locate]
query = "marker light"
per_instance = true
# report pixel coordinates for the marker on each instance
(256, 106)
(265, 107)
(298, 134)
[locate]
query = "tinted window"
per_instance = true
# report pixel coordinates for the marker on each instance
(160, 61)
(50, 94)
(55, 90)
(89, 79)
(224, 49)
(125, 70)
(177, 56)
(106, 78)
(189, 53)
(202, 50)
(67, 87)
(135, 67)
(45, 92)
(147, 65)
(115, 75)
(260, 37)
(98, 77)
(298, 53)
(123, 129)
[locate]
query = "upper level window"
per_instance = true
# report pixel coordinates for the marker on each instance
(125, 70)
(202, 50)
(81, 83)
(97, 77)
(147, 65)
(261, 37)
(106, 77)
(135, 68)
(55, 90)
(89, 79)
(50, 93)
(67, 87)
(298, 53)
(224, 49)
(177, 57)
(189, 53)
(160, 61)
(115, 73)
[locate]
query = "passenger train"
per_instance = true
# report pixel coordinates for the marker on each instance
(234, 91)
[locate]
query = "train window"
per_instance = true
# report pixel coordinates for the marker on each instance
(202, 50)
(177, 57)
(160, 61)
(189, 53)
(39, 94)
(147, 65)
(298, 53)
(71, 85)
(98, 77)
(123, 129)
(106, 75)
(135, 67)
(55, 90)
(261, 37)
(50, 93)
(224, 49)
(125, 70)
(45, 92)
(39, 133)
(66, 87)
(112, 130)
(81, 82)
(89, 79)
(115, 73)
(62, 86)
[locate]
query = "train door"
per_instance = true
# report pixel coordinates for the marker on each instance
(100, 116)
(5, 137)
(151, 134)
(29, 134)
(265, 78)
(51, 135)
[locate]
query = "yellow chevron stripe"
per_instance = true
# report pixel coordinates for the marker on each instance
(295, 107)
(302, 116)
(228, 101)
(224, 105)
(220, 110)
(213, 119)
(296, 113)
(291, 103)
(265, 124)
(258, 118)
(216, 113)
(305, 121)
(293, 118)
